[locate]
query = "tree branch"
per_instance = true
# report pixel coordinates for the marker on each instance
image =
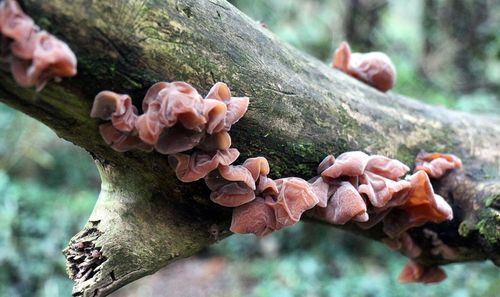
(300, 111)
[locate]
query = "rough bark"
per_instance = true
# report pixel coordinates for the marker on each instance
(300, 111)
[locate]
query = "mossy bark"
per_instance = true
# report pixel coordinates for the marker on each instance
(300, 111)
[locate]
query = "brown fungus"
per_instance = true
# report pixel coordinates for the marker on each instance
(231, 185)
(322, 190)
(35, 56)
(217, 141)
(374, 68)
(117, 108)
(353, 187)
(436, 164)
(176, 118)
(381, 190)
(177, 139)
(295, 196)
(236, 185)
(236, 106)
(421, 206)
(347, 164)
(344, 205)
(386, 167)
(257, 217)
(414, 272)
(257, 166)
(121, 142)
(266, 186)
(196, 166)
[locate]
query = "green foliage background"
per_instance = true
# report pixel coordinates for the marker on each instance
(48, 186)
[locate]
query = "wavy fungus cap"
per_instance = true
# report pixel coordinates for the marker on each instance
(342, 56)
(196, 166)
(347, 164)
(266, 187)
(217, 141)
(231, 185)
(374, 68)
(236, 106)
(295, 196)
(421, 206)
(436, 164)
(235, 185)
(257, 166)
(386, 167)
(344, 205)
(107, 104)
(256, 217)
(19, 27)
(110, 105)
(177, 139)
(51, 58)
(381, 190)
(121, 142)
(327, 162)
(180, 102)
(321, 189)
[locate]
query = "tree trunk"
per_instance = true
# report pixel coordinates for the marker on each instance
(300, 111)
(458, 33)
(362, 23)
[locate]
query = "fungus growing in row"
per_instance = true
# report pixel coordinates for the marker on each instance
(374, 68)
(35, 56)
(436, 164)
(193, 131)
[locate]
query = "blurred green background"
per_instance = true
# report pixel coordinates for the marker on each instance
(446, 53)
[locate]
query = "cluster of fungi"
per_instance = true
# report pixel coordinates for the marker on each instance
(193, 132)
(34, 55)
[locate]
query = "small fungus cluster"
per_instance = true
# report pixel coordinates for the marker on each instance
(175, 119)
(373, 68)
(193, 132)
(35, 56)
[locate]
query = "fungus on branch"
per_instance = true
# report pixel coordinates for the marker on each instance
(35, 56)
(345, 204)
(414, 272)
(436, 164)
(421, 206)
(373, 68)
(189, 168)
(193, 131)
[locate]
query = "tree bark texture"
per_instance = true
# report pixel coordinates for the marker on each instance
(300, 111)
